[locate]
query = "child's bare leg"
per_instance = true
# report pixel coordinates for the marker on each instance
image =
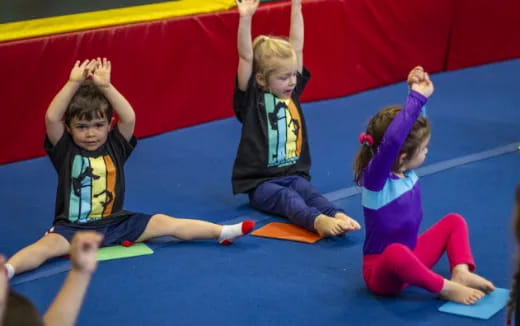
(190, 229)
(462, 275)
(49, 246)
(353, 224)
(327, 226)
(456, 292)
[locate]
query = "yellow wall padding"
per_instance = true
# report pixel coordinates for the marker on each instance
(95, 19)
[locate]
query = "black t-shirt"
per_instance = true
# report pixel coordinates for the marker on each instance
(91, 184)
(274, 137)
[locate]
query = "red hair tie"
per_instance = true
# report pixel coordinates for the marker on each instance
(366, 139)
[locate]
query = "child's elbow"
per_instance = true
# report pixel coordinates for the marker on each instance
(51, 118)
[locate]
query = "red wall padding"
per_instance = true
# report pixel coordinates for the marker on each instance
(483, 32)
(180, 72)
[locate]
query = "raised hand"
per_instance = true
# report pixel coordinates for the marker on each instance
(419, 81)
(247, 8)
(4, 285)
(83, 251)
(81, 70)
(101, 72)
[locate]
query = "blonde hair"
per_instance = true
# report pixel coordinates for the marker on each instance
(267, 50)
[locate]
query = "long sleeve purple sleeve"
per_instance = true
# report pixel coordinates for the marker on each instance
(376, 173)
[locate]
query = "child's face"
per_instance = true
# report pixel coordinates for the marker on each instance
(89, 134)
(419, 156)
(283, 80)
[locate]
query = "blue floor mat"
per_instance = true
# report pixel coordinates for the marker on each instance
(186, 173)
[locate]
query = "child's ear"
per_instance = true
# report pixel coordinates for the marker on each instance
(260, 79)
(402, 158)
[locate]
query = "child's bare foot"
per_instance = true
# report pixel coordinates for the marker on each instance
(327, 226)
(353, 224)
(462, 275)
(456, 292)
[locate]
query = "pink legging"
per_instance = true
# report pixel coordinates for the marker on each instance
(397, 266)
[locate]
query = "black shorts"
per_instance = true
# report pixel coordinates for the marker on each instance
(127, 229)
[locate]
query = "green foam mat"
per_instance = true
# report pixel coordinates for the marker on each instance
(117, 252)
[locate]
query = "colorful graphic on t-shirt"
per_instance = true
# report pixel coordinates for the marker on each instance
(92, 189)
(284, 133)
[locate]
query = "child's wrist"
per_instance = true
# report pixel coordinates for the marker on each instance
(75, 81)
(104, 86)
(246, 16)
(81, 270)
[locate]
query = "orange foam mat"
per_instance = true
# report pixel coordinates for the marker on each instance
(286, 231)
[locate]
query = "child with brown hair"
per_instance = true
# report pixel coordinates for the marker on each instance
(17, 310)
(89, 155)
(394, 255)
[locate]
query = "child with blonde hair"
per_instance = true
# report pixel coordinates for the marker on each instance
(273, 160)
(394, 255)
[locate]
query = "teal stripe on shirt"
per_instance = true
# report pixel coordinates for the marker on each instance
(393, 189)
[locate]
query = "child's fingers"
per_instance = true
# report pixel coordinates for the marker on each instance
(418, 69)
(88, 240)
(91, 67)
(83, 64)
(92, 240)
(3, 270)
(415, 75)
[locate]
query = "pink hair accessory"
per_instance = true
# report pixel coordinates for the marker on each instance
(365, 138)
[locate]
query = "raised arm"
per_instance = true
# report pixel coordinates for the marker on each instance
(125, 112)
(246, 9)
(4, 284)
(65, 308)
(296, 33)
(381, 165)
(56, 110)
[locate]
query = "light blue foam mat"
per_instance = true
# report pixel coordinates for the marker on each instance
(61, 264)
(485, 308)
(53, 267)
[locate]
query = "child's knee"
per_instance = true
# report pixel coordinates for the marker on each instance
(270, 198)
(396, 248)
(455, 219)
(396, 252)
(52, 245)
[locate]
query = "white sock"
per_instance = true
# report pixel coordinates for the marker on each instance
(10, 270)
(230, 232)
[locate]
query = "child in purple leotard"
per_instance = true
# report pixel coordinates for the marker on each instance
(394, 255)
